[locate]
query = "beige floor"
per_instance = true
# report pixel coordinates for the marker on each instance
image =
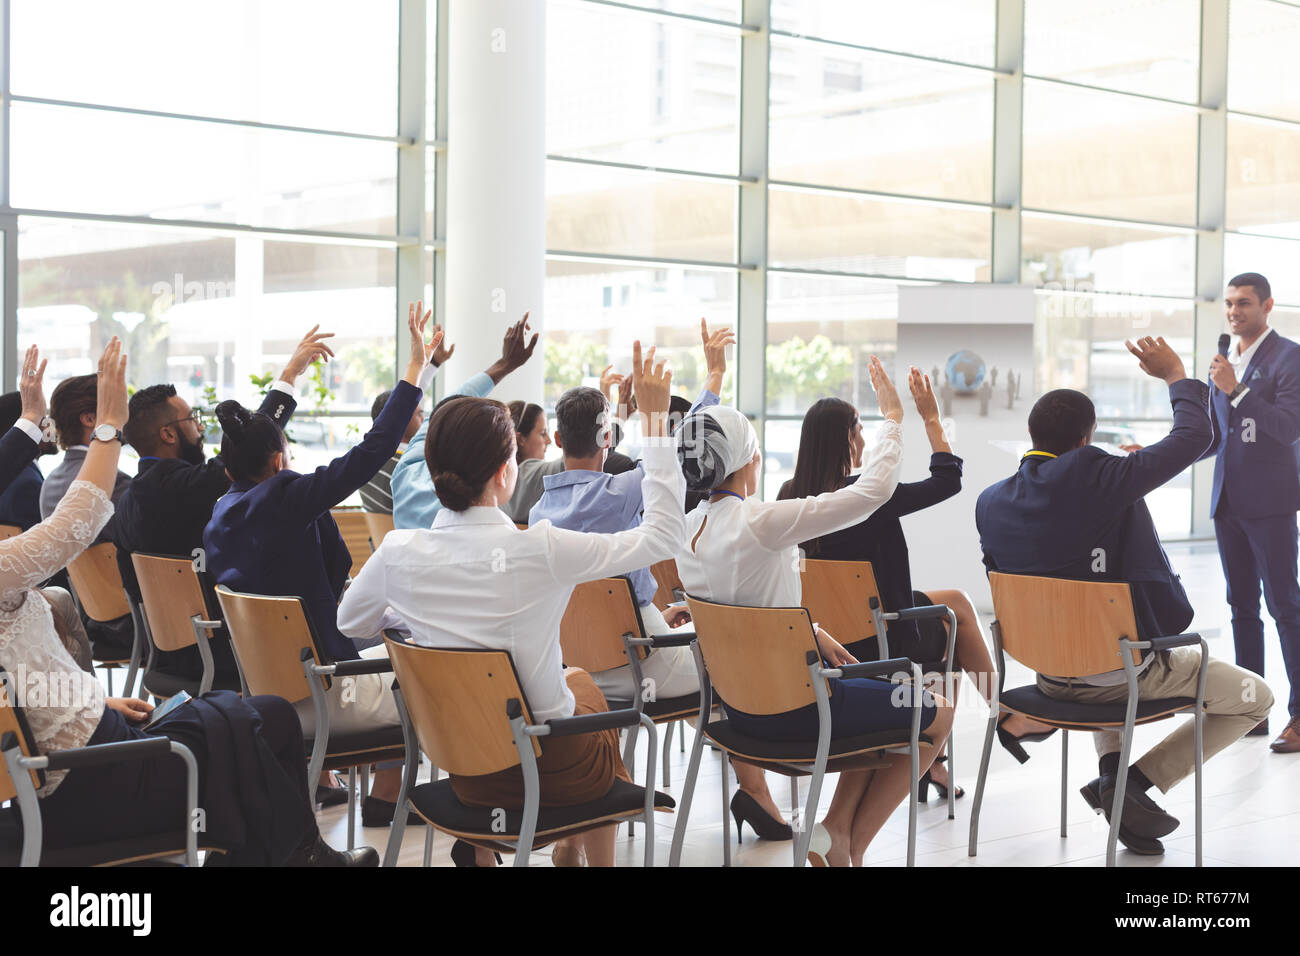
(1252, 796)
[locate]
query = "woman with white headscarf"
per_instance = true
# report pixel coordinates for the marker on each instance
(740, 550)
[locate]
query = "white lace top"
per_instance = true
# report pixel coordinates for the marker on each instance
(63, 704)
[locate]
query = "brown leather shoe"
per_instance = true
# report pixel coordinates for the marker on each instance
(1259, 730)
(1288, 741)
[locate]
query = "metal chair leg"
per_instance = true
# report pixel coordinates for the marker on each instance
(428, 846)
(681, 736)
(951, 754)
(684, 805)
(352, 808)
(667, 772)
(1065, 772)
(794, 815)
(973, 846)
(726, 810)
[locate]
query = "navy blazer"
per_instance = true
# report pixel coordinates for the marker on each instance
(1261, 464)
(17, 451)
(277, 537)
(20, 503)
(1081, 515)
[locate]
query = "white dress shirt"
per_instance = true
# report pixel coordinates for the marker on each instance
(748, 551)
(474, 580)
(1241, 361)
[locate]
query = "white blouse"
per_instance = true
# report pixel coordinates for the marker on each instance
(748, 552)
(474, 580)
(63, 704)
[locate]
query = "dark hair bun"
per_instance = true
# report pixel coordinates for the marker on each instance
(454, 492)
(233, 418)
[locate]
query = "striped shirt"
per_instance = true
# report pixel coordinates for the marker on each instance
(377, 493)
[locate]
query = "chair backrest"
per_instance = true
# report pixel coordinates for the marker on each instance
(172, 595)
(667, 580)
(1060, 627)
(378, 525)
(356, 535)
(9, 531)
(600, 612)
(13, 721)
(757, 657)
(268, 635)
(456, 700)
(98, 583)
(837, 596)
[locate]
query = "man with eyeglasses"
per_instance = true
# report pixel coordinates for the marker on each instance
(169, 502)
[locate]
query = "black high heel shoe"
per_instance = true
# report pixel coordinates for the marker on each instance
(923, 786)
(745, 808)
(1012, 744)
(462, 854)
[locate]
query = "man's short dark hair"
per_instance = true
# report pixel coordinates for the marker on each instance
(378, 404)
(577, 420)
(71, 399)
(1060, 419)
(11, 409)
(147, 412)
(1255, 281)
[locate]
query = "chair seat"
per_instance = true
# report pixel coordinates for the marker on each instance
(349, 748)
(1032, 702)
(162, 684)
(669, 708)
(438, 804)
(843, 749)
(130, 850)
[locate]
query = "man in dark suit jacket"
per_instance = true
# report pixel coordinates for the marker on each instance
(1254, 398)
(1074, 511)
(21, 493)
(169, 502)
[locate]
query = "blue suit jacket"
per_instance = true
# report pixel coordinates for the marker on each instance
(278, 537)
(20, 480)
(17, 451)
(1257, 444)
(1052, 516)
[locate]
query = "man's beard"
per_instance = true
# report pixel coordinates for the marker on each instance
(192, 453)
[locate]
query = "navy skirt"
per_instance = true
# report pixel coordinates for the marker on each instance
(858, 706)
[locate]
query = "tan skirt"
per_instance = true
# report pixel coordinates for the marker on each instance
(572, 770)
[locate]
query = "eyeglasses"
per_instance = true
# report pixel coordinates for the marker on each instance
(194, 417)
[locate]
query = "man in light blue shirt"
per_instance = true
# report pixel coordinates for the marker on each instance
(415, 502)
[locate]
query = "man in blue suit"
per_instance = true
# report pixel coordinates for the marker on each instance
(1254, 399)
(1074, 511)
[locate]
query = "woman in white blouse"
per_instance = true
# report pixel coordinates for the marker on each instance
(260, 814)
(740, 550)
(474, 580)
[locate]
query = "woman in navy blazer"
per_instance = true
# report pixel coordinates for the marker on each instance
(272, 533)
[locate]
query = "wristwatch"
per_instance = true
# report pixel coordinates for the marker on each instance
(1237, 392)
(107, 432)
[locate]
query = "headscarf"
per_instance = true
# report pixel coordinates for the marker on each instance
(712, 443)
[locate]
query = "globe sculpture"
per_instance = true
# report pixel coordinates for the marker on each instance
(965, 370)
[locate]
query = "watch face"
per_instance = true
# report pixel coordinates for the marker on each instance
(105, 432)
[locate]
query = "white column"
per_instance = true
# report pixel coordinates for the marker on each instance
(751, 332)
(496, 194)
(1008, 106)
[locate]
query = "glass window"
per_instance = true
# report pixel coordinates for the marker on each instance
(633, 89)
(868, 121)
(1103, 154)
(116, 163)
(1263, 69)
(959, 30)
(1151, 48)
(1273, 258)
(1263, 177)
(821, 331)
(1087, 255)
(594, 312)
(328, 64)
(603, 210)
(842, 233)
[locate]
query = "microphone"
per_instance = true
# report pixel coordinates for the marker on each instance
(1224, 340)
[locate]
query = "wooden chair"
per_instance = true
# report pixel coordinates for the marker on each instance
(175, 615)
(356, 535)
(669, 583)
(765, 661)
(97, 588)
(842, 596)
(1067, 628)
(466, 710)
(602, 629)
(378, 525)
(8, 531)
(279, 654)
(24, 773)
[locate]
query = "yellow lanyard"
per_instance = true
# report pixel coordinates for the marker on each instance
(1040, 454)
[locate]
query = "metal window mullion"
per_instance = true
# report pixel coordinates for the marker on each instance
(1008, 139)
(439, 237)
(751, 221)
(411, 65)
(1211, 215)
(8, 223)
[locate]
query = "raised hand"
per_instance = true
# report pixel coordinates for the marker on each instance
(31, 386)
(417, 321)
(1158, 359)
(609, 379)
(891, 406)
(715, 354)
(923, 395)
(310, 349)
(653, 384)
(442, 351)
(516, 349)
(110, 390)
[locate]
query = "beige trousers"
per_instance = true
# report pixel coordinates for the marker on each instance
(1235, 701)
